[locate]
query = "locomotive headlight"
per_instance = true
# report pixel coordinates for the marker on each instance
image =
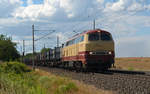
(109, 53)
(90, 53)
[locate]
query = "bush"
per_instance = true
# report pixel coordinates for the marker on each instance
(15, 78)
(14, 67)
(63, 89)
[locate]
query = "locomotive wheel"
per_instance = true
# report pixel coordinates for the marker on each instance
(52, 64)
(78, 66)
(66, 65)
(63, 65)
(49, 64)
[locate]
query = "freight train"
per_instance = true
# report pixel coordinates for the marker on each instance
(92, 49)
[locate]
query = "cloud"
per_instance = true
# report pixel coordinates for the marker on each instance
(116, 6)
(126, 6)
(100, 1)
(35, 11)
(29, 2)
(8, 22)
(52, 9)
(8, 6)
(31, 12)
(147, 7)
(123, 18)
(135, 7)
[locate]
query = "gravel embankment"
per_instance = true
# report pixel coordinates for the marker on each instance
(118, 82)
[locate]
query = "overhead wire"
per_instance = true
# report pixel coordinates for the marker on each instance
(45, 35)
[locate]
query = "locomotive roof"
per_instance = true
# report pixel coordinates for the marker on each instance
(87, 32)
(97, 30)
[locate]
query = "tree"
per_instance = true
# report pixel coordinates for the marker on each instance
(43, 50)
(8, 49)
(29, 55)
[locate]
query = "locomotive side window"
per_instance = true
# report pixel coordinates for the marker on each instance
(67, 43)
(79, 39)
(94, 36)
(82, 38)
(74, 41)
(105, 36)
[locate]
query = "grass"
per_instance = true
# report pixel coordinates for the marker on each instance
(134, 63)
(78, 87)
(17, 78)
(131, 69)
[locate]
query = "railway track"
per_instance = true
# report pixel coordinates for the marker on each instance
(130, 72)
(119, 81)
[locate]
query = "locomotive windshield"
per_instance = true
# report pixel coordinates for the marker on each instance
(105, 36)
(94, 36)
(99, 36)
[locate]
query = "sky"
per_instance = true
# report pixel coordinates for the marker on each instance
(127, 20)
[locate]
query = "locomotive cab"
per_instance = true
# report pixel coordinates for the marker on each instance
(92, 49)
(99, 49)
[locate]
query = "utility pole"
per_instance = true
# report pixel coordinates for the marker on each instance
(44, 45)
(33, 66)
(33, 40)
(57, 41)
(23, 53)
(94, 24)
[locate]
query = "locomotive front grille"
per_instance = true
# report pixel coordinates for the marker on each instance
(100, 53)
